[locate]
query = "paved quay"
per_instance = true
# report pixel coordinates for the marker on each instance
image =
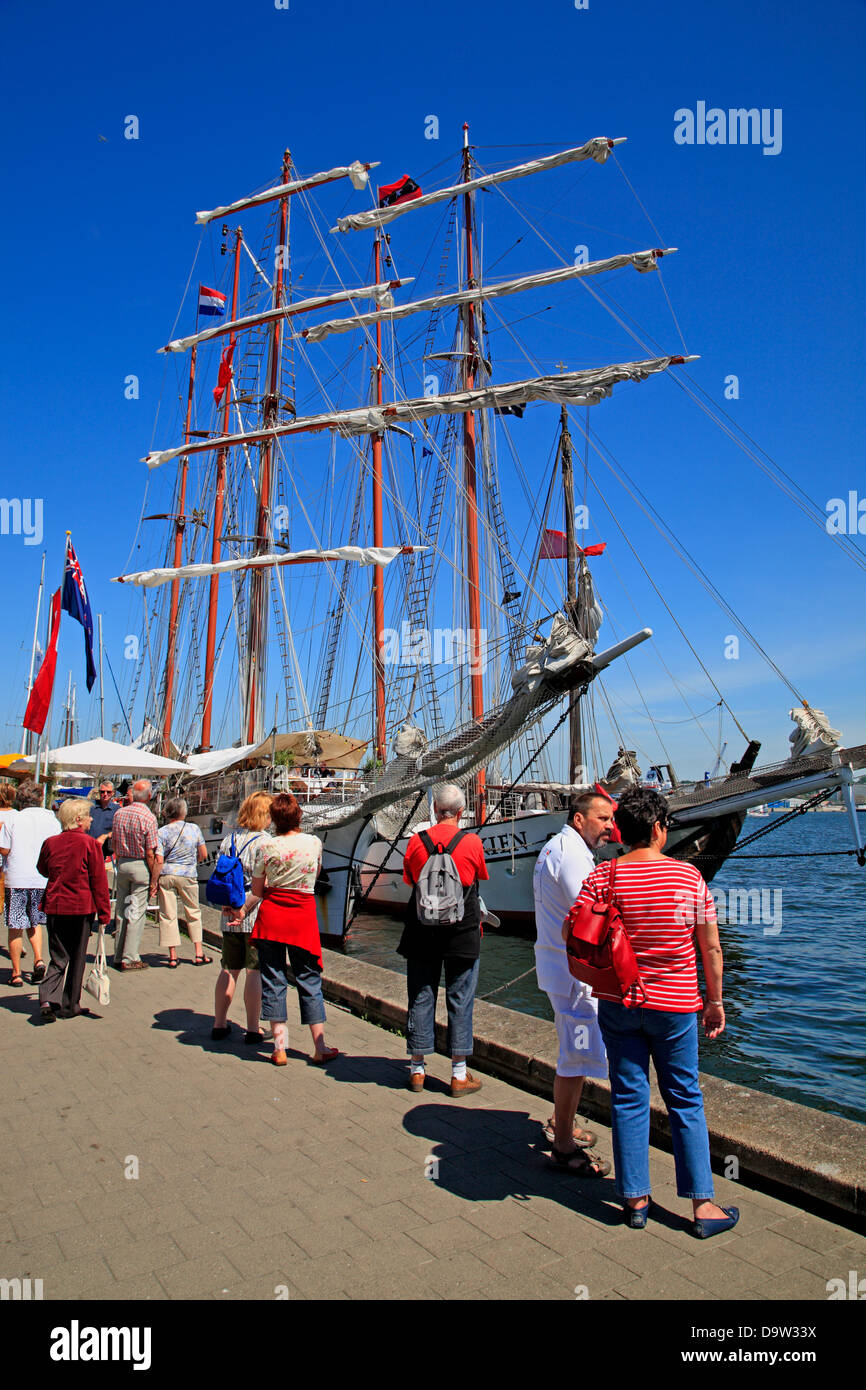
(255, 1182)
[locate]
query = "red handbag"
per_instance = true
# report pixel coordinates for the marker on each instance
(598, 950)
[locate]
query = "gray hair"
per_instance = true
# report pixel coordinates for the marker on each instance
(175, 809)
(142, 791)
(448, 801)
(74, 811)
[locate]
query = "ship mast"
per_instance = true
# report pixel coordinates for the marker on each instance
(469, 360)
(259, 581)
(219, 503)
(179, 524)
(575, 740)
(378, 539)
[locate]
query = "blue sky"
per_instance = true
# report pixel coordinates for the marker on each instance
(767, 285)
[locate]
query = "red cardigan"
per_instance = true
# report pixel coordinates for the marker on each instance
(74, 866)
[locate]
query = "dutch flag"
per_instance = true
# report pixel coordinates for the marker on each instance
(211, 302)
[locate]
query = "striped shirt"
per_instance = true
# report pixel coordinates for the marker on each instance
(660, 901)
(133, 830)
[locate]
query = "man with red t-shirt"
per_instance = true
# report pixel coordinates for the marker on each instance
(456, 946)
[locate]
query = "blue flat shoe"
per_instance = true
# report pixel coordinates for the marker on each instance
(635, 1217)
(703, 1229)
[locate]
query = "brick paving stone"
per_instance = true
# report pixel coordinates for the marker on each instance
(810, 1231)
(143, 1286)
(440, 1237)
(340, 1157)
(76, 1278)
(279, 1252)
(769, 1252)
(327, 1237)
(837, 1261)
(720, 1272)
(190, 1278)
(326, 1276)
(147, 1254)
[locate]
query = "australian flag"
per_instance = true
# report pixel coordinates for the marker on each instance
(77, 605)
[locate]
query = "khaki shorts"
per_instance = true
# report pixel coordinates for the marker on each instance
(239, 951)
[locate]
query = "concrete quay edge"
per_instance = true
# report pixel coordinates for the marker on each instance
(791, 1149)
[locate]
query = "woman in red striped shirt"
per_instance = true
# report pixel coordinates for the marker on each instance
(663, 903)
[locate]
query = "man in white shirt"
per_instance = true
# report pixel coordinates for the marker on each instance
(20, 843)
(562, 866)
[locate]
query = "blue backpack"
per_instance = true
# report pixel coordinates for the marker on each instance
(225, 887)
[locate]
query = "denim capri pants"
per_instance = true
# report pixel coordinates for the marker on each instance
(308, 980)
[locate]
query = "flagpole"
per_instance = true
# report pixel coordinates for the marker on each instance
(101, 685)
(33, 650)
(47, 725)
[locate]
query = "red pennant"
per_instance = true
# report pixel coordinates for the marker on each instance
(553, 545)
(225, 374)
(40, 696)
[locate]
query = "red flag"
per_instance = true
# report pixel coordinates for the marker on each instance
(553, 545)
(225, 374)
(40, 696)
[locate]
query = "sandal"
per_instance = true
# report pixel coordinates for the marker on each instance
(203, 960)
(320, 1058)
(38, 972)
(173, 964)
(583, 1138)
(580, 1162)
(17, 981)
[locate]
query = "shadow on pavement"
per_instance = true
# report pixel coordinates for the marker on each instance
(490, 1155)
(194, 1029)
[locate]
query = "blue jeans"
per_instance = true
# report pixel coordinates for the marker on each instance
(308, 978)
(461, 980)
(631, 1037)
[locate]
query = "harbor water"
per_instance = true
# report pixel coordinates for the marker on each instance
(792, 932)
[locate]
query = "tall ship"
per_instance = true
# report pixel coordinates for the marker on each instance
(389, 527)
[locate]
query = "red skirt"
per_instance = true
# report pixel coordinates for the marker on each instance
(289, 916)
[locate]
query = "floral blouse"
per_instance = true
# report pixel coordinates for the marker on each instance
(289, 861)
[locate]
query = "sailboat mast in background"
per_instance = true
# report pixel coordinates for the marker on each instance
(259, 581)
(379, 739)
(470, 483)
(219, 505)
(179, 525)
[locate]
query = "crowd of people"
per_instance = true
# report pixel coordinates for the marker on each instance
(57, 876)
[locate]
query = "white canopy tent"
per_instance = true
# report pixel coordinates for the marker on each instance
(99, 755)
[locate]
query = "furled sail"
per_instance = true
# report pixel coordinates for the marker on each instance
(598, 149)
(641, 260)
(362, 555)
(380, 293)
(812, 733)
(572, 388)
(356, 171)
